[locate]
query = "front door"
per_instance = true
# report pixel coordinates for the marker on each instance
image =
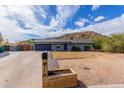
(65, 47)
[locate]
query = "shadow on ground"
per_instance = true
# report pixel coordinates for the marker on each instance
(81, 84)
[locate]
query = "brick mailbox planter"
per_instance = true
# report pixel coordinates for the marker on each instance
(60, 78)
(57, 78)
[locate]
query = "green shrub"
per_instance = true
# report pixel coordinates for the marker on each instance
(76, 48)
(115, 43)
(1, 49)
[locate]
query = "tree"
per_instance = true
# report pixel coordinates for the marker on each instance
(114, 43)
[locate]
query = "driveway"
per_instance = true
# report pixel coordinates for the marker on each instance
(21, 70)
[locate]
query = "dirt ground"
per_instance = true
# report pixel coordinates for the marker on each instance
(93, 68)
(21, 70)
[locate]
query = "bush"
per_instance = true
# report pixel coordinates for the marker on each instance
(98, 43)
(106, 47)
(1, 49)
(115, 43)
(76, 48)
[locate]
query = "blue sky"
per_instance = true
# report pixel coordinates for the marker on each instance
(27, 22)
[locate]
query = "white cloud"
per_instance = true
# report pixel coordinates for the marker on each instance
(54, 22)
(41, 10)
(23, 13)
(107, 27)
(81, 22)
(10, 18)
(64, 13)
(44, 16)
(99, 18)
(95, 7)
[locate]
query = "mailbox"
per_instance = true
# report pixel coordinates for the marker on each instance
(44, 55)
(45, 64)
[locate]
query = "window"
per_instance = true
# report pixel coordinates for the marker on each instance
(58, 46)
(87, 48)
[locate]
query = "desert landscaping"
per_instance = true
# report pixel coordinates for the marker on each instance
(23, 69)
(93, 68)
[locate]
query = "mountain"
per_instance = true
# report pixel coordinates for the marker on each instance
(80, 35)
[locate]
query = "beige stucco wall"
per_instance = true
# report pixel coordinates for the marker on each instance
(80, 45)
(69, 47)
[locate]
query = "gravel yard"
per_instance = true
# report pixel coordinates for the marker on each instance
(93, 68)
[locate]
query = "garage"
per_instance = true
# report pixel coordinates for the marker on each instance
(43, 47)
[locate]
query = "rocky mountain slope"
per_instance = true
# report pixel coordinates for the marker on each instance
(80, 35)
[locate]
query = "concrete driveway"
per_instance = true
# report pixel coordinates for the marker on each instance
(21, 70)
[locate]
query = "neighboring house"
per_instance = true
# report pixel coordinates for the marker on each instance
(10, 47)
(1, 39)
(13, 48)
(62, 45)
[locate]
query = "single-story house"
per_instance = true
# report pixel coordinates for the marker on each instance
(62, 45)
